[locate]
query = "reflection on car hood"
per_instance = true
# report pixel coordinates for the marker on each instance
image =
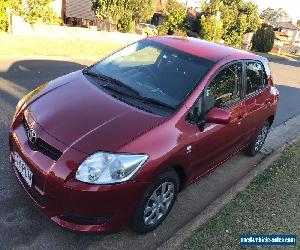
(79, 114)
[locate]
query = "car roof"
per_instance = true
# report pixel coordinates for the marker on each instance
(204, 49)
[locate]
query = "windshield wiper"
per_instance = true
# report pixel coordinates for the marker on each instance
(137, 95)
(156, 102)
(110, 80)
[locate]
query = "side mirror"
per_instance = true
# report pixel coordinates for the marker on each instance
(218, 116)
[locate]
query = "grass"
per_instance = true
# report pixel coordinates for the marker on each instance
(276, 57)
(271, 56)
(12, 45)
(270, 205)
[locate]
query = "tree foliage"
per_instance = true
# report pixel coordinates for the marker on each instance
(175, 15)
(40, 11)
(32, 11)
(192, 25)
(3, 16)
(211, 29)
(298, 24)
(263, 39)
(237, 18)
(125, 23)
(124, 13)
(273, 16)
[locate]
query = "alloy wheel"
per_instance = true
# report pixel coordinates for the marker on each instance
(261, 138)
(159, 203)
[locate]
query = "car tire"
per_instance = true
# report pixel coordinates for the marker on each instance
(255, 146)
(153, 208)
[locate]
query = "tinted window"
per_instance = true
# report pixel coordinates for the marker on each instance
(225, 87)
(255, 77)
(155, 71)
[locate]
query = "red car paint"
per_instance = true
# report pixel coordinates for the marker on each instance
(84, 119)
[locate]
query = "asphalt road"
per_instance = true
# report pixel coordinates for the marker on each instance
(23, 226)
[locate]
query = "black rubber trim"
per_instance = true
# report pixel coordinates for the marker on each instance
(86, 220)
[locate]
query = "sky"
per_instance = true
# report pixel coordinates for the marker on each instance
(292, 7)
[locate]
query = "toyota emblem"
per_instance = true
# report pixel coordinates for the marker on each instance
(31, 134)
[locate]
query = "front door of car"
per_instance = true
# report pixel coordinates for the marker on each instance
(213, 143)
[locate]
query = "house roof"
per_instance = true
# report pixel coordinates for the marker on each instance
(191, 12)
(80, 9)
(280, 34)
(159, 5)
(286, 25)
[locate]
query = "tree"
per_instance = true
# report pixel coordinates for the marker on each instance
(35, 11)
(40, 11)
(124, 13)
(175, 15)
(3, 16)
(125, 23)
(142, 10)
(298, 24)
(32, 11)
(211, 29)
(238, 17)
(273, 16)
(263, 39)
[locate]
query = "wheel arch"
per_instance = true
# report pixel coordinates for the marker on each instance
(271, 119)
(179, 169)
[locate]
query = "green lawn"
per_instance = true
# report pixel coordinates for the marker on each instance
(270, 205)
(276, 57)
(272, 57)
(79, 49)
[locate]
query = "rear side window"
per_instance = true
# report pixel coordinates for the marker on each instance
(225, 87)
(255, 77)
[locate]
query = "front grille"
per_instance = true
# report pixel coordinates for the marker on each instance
(32, 191)
(42, 146)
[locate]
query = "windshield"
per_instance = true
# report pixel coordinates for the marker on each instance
(154, 71)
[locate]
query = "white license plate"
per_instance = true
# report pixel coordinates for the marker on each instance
(23, 168)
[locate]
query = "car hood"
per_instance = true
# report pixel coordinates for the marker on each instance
(77, 113)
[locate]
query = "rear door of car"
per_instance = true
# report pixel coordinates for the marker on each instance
(256, 96)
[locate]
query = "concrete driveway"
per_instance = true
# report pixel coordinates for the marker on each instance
(23, 226)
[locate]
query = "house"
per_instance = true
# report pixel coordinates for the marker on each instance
(79, 13)
(291, 31)
(281, 40)
(158, 17)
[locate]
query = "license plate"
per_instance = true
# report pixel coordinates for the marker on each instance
(22, 168)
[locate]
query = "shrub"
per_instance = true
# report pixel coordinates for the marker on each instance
(3, 16)
(175, 15)
(263, 39)
(125, 23)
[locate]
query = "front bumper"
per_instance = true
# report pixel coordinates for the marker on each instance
(68, 202)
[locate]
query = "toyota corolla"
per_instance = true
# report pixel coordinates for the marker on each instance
(111, 145)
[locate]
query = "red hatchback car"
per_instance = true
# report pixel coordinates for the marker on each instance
(112, 144)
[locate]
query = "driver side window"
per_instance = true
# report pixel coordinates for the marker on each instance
(225, 87)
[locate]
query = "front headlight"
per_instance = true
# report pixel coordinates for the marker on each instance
(107, 168)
